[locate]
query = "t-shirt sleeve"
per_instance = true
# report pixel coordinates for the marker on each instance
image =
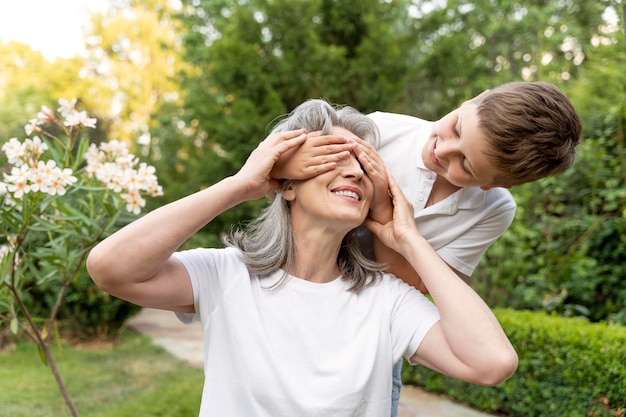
(413, 315)
(208, 272)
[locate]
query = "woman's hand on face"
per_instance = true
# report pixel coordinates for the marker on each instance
(316, 155)
(381, 208)
(398, 232)
(255, 173)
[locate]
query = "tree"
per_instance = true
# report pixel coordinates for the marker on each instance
(254, 60)
(54, 208)
(132, 65)
(468, 47)
(28, 80)
(565, 251)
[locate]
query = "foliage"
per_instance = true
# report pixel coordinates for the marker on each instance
(60, 196)
(87, 313)
(249, 66)
(601, 83)
(131, 378)
(563, 253)
(565, 364)
(467, 47)
(246, 64)
(132, 62)
(566, 250)
(28, 80)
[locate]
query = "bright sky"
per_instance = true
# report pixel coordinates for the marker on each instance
(54, 27)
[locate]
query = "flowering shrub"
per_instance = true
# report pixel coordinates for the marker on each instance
(59, 196)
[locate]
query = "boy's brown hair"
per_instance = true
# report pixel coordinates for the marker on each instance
(532, 128)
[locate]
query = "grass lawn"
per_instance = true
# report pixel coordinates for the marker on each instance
(133, 378)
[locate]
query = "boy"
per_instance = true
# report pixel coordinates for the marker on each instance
(456, 171)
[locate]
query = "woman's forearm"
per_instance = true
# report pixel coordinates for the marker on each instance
(140, 249)
(472, 331)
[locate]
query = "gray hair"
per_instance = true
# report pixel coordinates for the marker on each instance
(268, 243)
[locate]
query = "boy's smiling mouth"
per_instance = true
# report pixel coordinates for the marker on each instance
(431, 153)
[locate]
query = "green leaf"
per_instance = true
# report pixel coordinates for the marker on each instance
(42, 355)
(14, 325)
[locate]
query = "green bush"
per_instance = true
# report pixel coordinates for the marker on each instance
(86, 312)
(567, 367)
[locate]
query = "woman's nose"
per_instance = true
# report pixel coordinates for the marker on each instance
(353, 168)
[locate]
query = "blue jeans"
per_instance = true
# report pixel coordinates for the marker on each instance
(395, 389)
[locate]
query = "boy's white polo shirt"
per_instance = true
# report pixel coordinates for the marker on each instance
(461, 227)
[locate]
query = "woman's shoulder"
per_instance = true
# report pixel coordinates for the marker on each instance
(218, 256)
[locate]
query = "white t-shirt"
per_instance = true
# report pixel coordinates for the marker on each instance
(461, 227)
(301, 349)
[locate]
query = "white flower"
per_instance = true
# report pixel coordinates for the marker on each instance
(4, 250)
(5, 197)
(154, 190)
(14, 151)
(42, 176)
(60, 179)
(144, 139)
(35, 146)
(66, 177)
(113, 165)
(126, 161)
(32, 126)
(146, 172)
(107, 173)
(65, 107)
(75, 118)
(45, 115)
(17, 181)
(94, 158)
(132, 181)
(134, 201)
(114, 149)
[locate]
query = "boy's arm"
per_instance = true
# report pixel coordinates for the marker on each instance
(467, 343)
(381, 211)
(398, 265)
(136, 263)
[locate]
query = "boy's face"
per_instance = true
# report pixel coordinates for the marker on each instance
(457, 150)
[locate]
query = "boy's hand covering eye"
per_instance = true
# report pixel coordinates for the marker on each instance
(317, 155)
(381, 209)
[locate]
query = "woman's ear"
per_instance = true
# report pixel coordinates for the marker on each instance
(289, 193)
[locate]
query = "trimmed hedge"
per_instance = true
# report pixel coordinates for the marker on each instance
(567, 367)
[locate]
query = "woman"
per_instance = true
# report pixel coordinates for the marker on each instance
(296, 321)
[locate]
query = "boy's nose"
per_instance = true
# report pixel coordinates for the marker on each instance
(446, 148)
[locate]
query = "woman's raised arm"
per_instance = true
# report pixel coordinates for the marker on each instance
(136, 262)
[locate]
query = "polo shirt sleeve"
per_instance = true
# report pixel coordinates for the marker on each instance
(465, 251)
